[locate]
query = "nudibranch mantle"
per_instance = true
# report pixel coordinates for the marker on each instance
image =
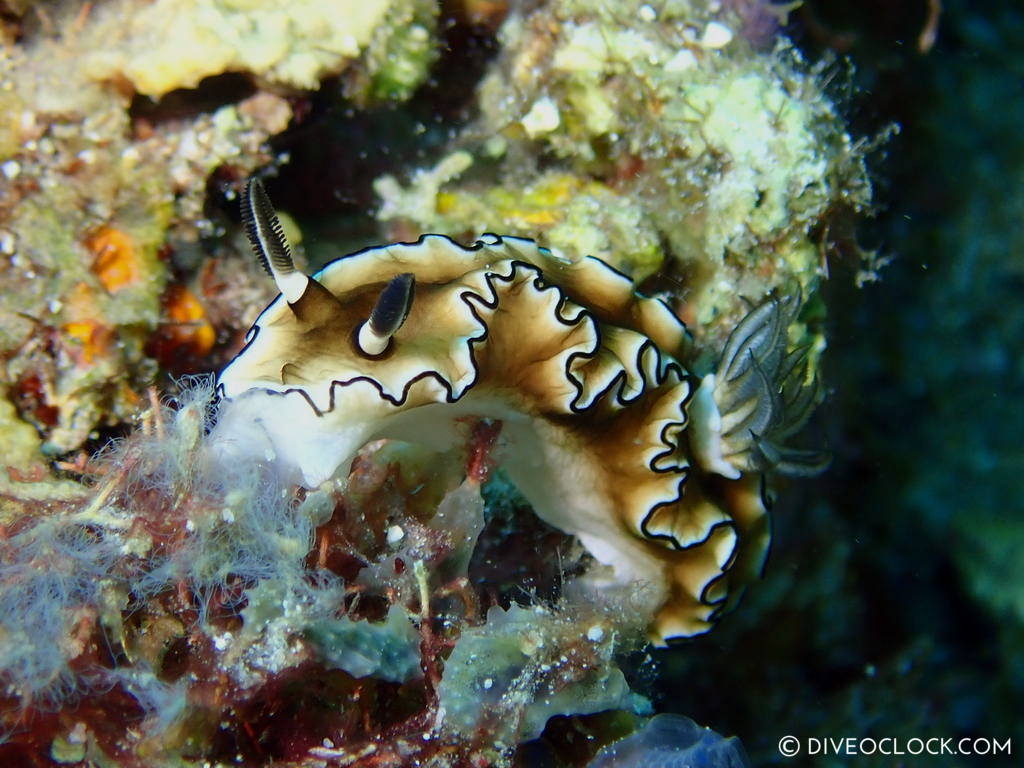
(583, 372)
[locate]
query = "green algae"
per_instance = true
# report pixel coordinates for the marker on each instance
(398, 56)
(526, 665)
(388, 650)
(21, 441)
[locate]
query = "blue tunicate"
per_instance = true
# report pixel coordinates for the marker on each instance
(672, 741)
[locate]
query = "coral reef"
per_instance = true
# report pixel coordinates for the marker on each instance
(104, 189)
(167, 603)
(173, 44)
(90, 203)
(653, 138)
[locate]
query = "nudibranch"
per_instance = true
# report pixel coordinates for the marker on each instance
(658, 474)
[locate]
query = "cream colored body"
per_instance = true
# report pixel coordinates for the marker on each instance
(582, 372)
